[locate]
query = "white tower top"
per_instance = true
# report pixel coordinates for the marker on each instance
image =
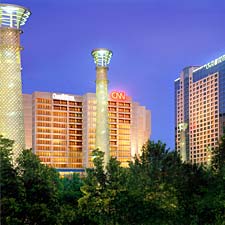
(13, 16)
(102, 56)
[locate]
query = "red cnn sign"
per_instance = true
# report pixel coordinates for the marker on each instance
(118, 95)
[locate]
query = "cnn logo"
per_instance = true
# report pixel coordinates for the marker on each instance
(116, 95)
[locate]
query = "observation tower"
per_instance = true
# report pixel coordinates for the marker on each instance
(12, 17)
(102, 58)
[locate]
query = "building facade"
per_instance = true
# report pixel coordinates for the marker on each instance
(200, 110)
(63, 128)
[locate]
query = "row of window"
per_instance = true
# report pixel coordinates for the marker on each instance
(58, 114)
(65, 108)
(197, 130)
(40, 106)
(119, 103)
(199, 125)
(124, 121)
(55, 101)
(59, 125)
(58, 131)
(75, 148)
(63, 102)
(43, 100)
(200, 145)
(52, 154)
(121, 126)
(72, 149)
(114, 109)
(58, 142)
(211, 131)
(58, 137)
(62, 114)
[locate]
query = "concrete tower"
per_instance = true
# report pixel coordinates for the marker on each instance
(102, 59)
(183, 150)
(11, 106)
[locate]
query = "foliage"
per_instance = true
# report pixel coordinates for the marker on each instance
(151, 185)
(103, 191)
(156, 188)
(218, 161)
(11, 187)
(41, 184)
(69, 194)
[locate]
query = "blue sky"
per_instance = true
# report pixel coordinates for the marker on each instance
(151, 40)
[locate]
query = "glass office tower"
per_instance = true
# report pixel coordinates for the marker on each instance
(200, 103)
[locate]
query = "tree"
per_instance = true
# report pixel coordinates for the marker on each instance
(216, 193)
(41, 185)
(218, 159)
(70, 193)
(103, 191)
(151, 185)
(11, 187)
(141, 194)
(156, 188)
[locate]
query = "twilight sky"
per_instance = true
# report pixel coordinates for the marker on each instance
(151, 40)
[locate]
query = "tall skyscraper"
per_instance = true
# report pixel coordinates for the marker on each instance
(200, 110)
(102, 58)
(64, 127)
(12, 17)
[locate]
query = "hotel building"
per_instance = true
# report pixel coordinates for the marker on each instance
(200, 110)
(63, 128)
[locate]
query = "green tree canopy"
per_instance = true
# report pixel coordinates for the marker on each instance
(41, 185)
(12, 192)
(156, 188)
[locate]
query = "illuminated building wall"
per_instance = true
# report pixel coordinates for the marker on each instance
(141, 129)
(11, 105)
(200, 102)
(89, 121)
(57, 129)
(27, 103)
(120, 127)
(64, 128)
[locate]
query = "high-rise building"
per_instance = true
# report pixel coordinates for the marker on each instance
(200, 110)
(12, 17)
(64, 128)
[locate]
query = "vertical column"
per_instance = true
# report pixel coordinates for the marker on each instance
(102, 58)
(11, 100)
(183, 151)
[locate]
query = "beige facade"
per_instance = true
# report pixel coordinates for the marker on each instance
(64, 128)
(27, 104)
(204, 118)
(199, 111)
(141, 120)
